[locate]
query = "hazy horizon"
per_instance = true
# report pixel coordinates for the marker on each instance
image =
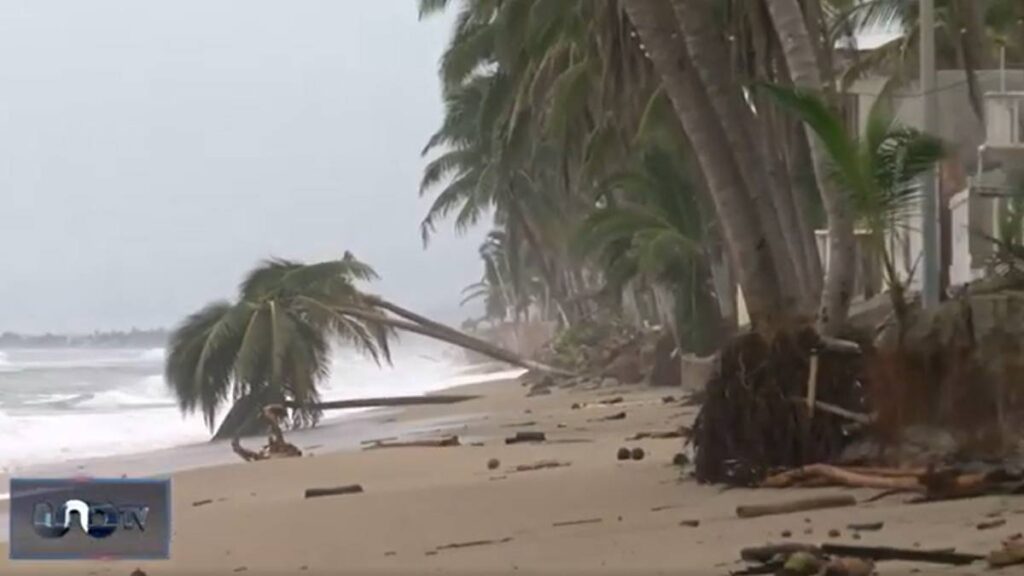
(154, 152)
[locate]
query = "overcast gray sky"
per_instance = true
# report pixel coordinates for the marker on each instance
(152, 151)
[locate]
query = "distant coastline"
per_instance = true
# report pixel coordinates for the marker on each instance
(156, 338)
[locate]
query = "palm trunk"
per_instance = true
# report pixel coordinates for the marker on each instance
(804, 69)
(533, 239)
(972, 47)
(709, 56)
(799, 235)
(424, 326)
(656, 25)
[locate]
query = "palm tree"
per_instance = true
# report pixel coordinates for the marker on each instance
(801, 58)
(656, 233)
(968, 35)
(879, 171)
(273, 344)
(768, 303)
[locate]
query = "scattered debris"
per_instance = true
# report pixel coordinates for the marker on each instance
(336, 491)
(833, 533)
(527, 436)
(520, 424)
(276, 446)
(786, 534)
(391, 553)
(989, 524)
(656, 435)
(575, 522)
(623, 453)
(637, 453)
(850, 567)
(611, 401)
(877, 553)
(1011, 553)
(668, 399)
(680, 459)
(800, 505)
(768, 552)
(802, 564)
(690, 523)
(932, 483)
(617, 416)
(471, 543)
(542, 465)
(137, 572)
(576, 406)
(445, 442)
(493, 463)
(865, 526)
(198, 503)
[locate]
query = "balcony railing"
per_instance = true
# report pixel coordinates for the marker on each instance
(1003, 119)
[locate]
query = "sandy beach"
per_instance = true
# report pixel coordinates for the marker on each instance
(441, 510)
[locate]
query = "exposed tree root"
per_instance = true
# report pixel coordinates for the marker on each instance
(750, 424)
(277, 446)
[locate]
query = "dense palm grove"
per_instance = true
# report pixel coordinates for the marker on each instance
(639, 159)
(659, 149)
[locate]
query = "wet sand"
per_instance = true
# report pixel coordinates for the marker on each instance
(441, 510)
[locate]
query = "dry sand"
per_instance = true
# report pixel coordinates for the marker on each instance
(440, 510)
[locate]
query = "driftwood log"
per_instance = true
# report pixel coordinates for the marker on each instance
(801, 505)
(335, 491)
(932, 484)
(445, 442)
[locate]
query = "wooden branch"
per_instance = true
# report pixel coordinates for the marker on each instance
(801, 505)
(906, 554)
(843, 477)
(839, 346)
(865, 419)
(335, 491)
(812, 384)
(445, 442)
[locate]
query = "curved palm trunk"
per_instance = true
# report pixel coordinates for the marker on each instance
(804, 69)
(656, 24)
(426, 327)
(709, 55)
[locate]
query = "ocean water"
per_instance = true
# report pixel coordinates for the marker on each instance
(61, 404)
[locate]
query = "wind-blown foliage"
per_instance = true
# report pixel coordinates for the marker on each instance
(880, 170)
(273, 343)
(655, 233)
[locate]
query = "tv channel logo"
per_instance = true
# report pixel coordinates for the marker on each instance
(64, 518)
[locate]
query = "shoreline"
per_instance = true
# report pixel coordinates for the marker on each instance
(563, 506)
(340, 433)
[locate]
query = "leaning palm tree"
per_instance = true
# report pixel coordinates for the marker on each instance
(273, 344)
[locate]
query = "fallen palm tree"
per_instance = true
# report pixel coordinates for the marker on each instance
(273, 345)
